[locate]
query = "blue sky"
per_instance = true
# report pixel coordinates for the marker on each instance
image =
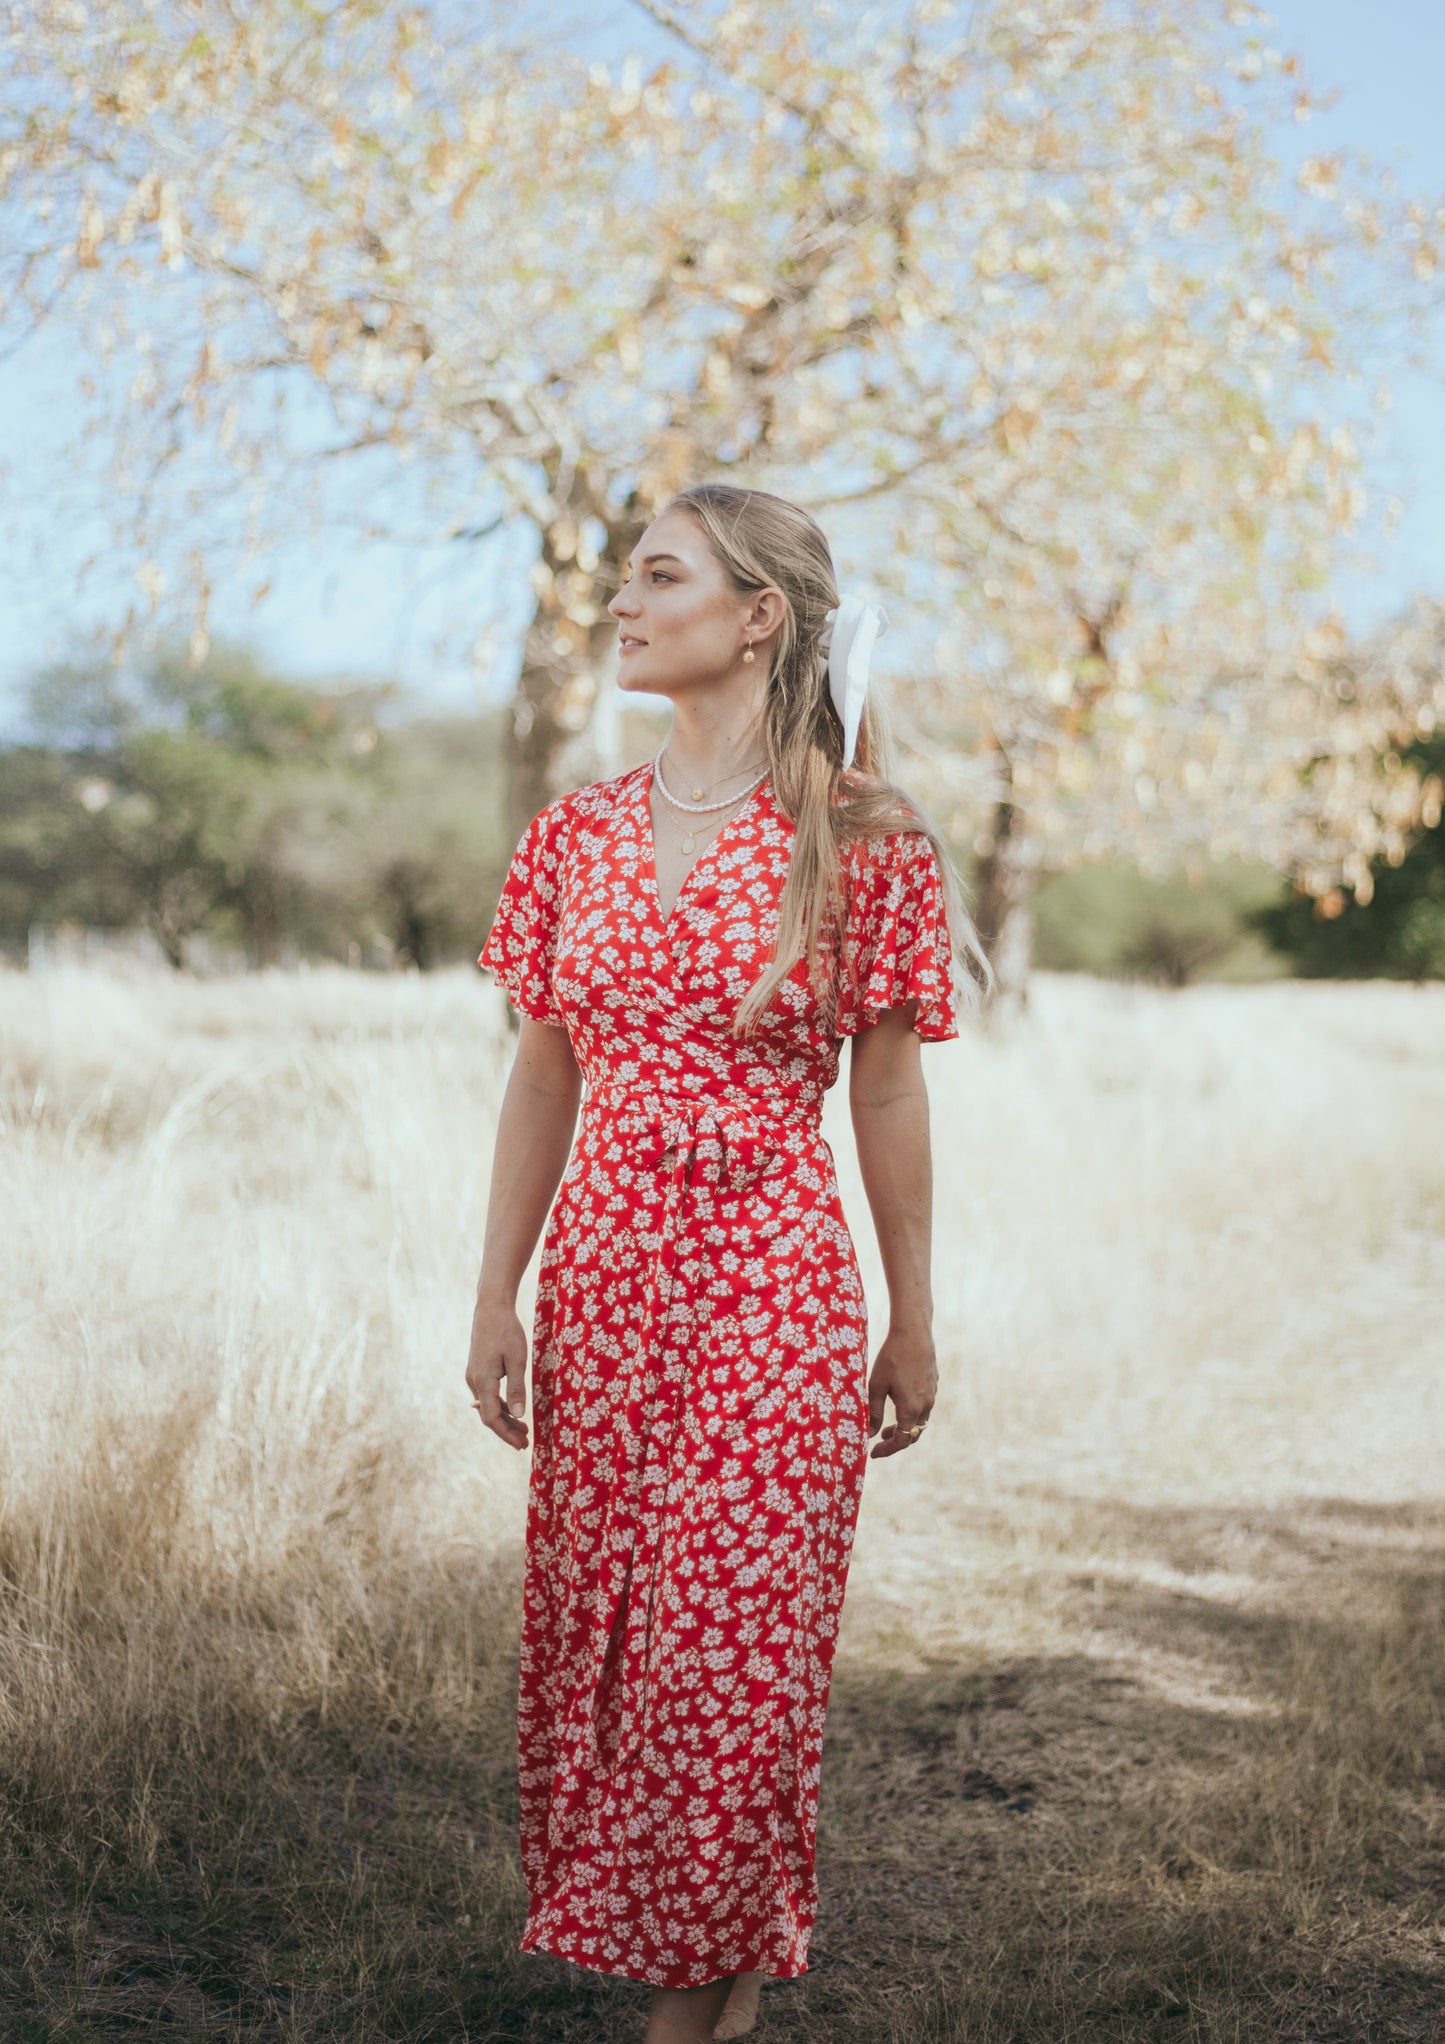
(336, 606)
(1387, 61)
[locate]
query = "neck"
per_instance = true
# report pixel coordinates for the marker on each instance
(710, 743)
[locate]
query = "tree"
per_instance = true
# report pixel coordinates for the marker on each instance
(48, 869)
(1398, 934)
(228, 800)
(1109, 919)
(410, 846)
(1394, 923)
(1025, 311)
(166, 798)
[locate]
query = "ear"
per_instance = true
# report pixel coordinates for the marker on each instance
(765, 614)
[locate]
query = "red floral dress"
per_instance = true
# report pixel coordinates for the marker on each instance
(699, 1401)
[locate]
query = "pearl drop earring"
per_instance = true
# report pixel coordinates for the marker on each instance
(749, 656)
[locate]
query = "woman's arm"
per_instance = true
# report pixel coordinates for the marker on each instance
(534, 1135)
(889, 1105)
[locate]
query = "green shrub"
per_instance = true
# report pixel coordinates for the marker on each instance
(1399, 934)
(1112, 920)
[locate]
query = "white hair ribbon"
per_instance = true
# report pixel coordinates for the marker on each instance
(848, 638)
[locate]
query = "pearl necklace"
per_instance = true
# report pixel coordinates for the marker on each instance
(697, 808)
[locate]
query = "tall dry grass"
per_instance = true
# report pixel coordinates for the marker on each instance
(1137, 1723)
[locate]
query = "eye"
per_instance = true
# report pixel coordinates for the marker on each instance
(661, 575)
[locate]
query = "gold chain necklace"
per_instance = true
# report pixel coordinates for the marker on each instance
(689, 843)
(698, 793)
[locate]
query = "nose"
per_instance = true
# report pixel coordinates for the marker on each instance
(623, 605)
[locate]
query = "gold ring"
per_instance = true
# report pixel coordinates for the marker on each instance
(477, 1403)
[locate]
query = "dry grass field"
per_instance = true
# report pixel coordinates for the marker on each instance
(1139, 1720)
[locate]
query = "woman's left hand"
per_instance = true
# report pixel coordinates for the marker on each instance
(905, 1371)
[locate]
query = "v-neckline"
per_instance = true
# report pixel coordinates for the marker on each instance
(650, 840)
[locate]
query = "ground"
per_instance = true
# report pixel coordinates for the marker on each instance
(1137, 1726)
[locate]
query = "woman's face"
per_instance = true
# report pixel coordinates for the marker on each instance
(681, 623)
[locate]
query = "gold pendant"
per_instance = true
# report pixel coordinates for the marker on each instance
(687, 845)
(697, 794)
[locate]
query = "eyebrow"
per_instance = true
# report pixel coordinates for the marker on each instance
(651, 558)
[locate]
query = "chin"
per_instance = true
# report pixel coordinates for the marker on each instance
(632, 683)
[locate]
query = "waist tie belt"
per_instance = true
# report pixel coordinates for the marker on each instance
(726, 1146)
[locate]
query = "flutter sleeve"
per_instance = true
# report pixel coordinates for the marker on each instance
(522, 942)
(897, 948)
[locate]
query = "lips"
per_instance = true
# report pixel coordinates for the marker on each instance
(627, 644)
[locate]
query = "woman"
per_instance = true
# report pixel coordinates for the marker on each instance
(693, 939)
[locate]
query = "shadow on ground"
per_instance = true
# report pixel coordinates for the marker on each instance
(1209, 1810)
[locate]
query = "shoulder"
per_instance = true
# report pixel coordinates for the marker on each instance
(887, 837)
(596, 799)
(874, 807)
(589, 806)
(894, 853)
(895, 889)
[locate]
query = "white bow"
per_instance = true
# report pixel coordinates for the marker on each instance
(848, 638)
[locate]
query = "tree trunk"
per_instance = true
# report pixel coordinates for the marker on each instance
(1005, 906)
(258, 906)
(536, 734)
(170, 915)
(570, 637)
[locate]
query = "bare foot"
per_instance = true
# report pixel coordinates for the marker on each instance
(686, 2015)
(740, 2011)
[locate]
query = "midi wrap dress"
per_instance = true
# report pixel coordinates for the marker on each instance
(699, 1398)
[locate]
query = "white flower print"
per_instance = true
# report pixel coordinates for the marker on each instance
(700, 1356)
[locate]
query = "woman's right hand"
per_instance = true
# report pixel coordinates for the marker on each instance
(534, 1136)
(498, 1352)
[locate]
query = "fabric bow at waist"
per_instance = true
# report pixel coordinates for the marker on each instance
(732, 1147)
(720, 1142)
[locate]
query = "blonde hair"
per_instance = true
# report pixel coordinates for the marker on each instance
(763, 541)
